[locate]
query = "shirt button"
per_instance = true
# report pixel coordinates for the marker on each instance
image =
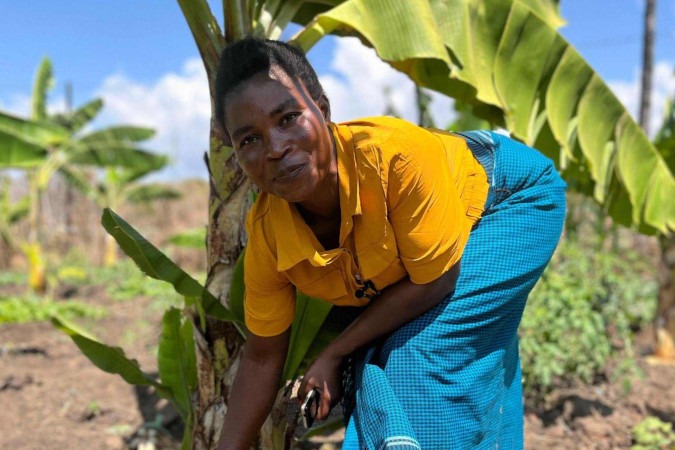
(359, 293)
(358, 278)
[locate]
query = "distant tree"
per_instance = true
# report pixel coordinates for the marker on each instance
(10, 214)
(43, 145)
(118, 186)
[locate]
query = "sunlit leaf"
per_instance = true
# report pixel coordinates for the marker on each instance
(508, 59)
(109, 359)
(176, 359)
(156, 265)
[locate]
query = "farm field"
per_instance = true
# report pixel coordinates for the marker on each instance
(54, 398)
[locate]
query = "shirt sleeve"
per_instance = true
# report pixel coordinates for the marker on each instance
(269, 299)
(426, 211)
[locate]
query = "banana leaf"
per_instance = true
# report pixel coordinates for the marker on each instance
(156, 265)
(109, 359)
(76, 120)
(25, 143)
(507, 58)
(118, 135)
(176, 360)
(306, 330)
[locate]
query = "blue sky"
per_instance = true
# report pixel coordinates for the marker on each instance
(139, 55)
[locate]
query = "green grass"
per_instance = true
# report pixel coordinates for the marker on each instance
(126, 282)
(22, 309)
(11, 278)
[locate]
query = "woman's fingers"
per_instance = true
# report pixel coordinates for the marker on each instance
(325, 405)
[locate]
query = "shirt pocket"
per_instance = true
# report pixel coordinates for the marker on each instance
(329, 286)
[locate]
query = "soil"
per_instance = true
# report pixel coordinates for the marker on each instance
(54, 398)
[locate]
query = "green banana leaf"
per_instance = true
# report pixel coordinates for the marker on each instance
(105, 154)
(310, 314)
(109, 359)
(238, 288)
(77, 119)
(665, 137)
(85, 114)
(306, 330)
(176, 360)
(25, 143)
(507, 58)
(44, 82)
(117, 135)
(156, 265)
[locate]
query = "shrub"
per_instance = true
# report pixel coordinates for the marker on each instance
(584, 311)
(652, 433)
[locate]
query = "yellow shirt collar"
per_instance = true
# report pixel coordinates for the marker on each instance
(295, 241)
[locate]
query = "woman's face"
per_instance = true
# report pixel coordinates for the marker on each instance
(280, 136)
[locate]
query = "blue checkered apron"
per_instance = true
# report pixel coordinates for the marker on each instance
(451, 379)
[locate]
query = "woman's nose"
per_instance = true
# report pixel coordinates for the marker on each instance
(277, 146)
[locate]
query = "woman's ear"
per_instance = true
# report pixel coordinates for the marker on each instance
(324, 106)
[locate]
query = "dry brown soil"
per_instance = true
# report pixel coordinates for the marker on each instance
(52, 397)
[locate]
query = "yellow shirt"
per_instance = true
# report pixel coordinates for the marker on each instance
(408, 199)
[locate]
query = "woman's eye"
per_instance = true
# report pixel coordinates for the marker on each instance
(248, 140)
(288, 118)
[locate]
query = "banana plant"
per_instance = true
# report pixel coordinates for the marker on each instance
(181, 340)
(118, 186)
(10, 214)
(45, 144)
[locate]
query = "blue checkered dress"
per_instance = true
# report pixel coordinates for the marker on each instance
(451, 378)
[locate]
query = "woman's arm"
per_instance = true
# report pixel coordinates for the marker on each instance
(254, 389)
(394, 307)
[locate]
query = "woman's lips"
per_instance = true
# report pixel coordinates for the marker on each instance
(288, 173)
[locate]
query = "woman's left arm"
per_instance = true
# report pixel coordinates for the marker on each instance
(395, 306)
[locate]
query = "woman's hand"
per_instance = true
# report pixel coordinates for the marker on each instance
(325, 376)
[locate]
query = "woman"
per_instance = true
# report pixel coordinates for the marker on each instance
(377, 213)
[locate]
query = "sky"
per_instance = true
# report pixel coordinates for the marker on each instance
(139, 56)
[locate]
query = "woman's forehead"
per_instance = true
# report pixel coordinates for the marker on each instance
(267, 90)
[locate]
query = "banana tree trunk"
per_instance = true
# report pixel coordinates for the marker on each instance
(219, 347)
(33, 250)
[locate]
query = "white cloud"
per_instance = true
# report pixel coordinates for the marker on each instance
(356, 80)
(177, 106)
(20, 104)
(663, 88)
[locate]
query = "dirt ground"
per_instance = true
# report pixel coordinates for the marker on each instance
(52, 397)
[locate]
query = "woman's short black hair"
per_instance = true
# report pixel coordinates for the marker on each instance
(243, 59)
